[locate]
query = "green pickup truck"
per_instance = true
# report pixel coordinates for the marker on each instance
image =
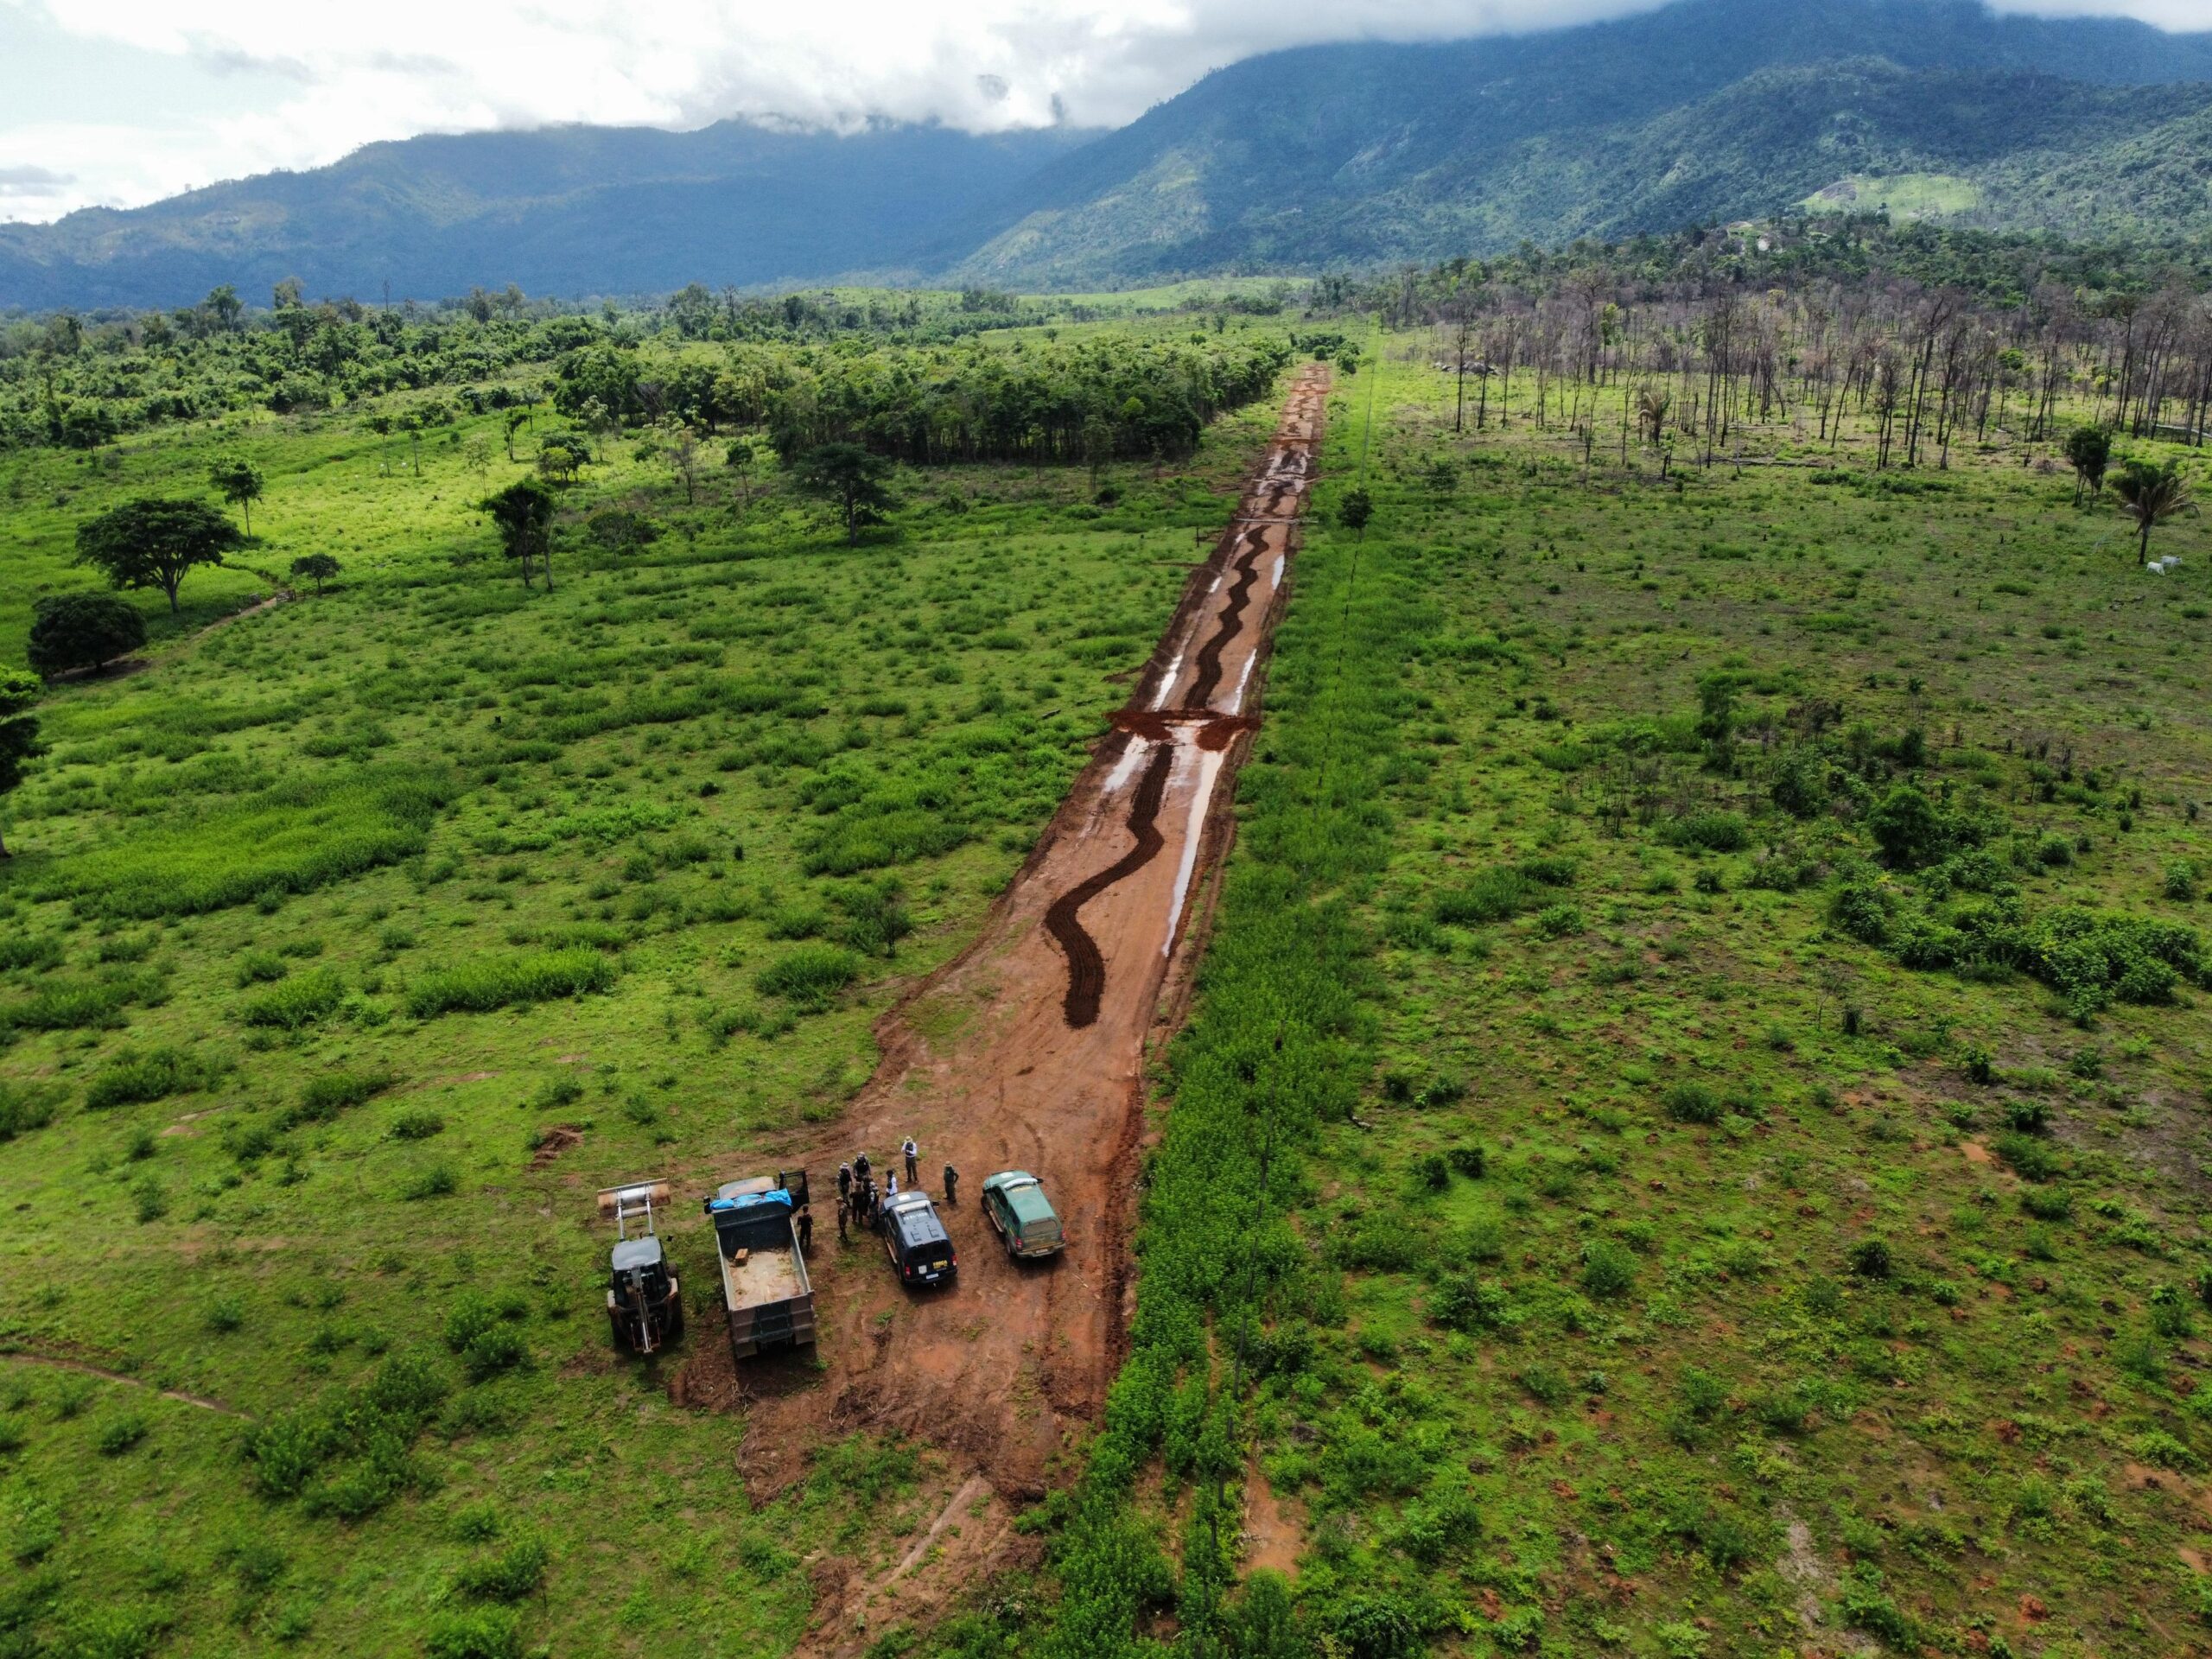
(1014, 1200)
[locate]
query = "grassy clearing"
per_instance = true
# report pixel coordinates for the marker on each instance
(1755, 1203)
(318, 925)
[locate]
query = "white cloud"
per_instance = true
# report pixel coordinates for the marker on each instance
(317, 81)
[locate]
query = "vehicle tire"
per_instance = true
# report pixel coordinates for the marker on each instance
(616, 1329)
(675, 1312)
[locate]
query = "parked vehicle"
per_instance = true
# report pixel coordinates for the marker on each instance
(1015, 1201)
(645, 1303)
(765, 1289)
(915, 1241)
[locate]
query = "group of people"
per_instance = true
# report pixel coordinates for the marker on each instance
(860, 1200)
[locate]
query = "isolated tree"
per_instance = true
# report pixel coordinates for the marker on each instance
(19, 741)
(741, 458)
(72, 631)
(1651, 407)
(317, 568)
(2149, 494)
(153, 541)
(562, 455)
(682, 454)
(523, 514)
(239, 482)
(2089, 450)
(1354, 511)
(517, 419)
(851, 479)
(224, 305)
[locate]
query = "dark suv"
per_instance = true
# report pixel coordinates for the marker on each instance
(915, 1240)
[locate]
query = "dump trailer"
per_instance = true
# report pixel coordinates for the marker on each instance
(645, 1303)
(766, 1290)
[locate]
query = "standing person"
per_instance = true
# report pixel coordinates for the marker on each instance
(841, 1239)
(913, 1152)
(805, 1230)
(891, 1187)
(862, 1167)
(844, 1182)
(951, 1185)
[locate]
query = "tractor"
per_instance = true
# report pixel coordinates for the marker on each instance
(645, 1303)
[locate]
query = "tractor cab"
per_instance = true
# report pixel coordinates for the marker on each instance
(645, 1303)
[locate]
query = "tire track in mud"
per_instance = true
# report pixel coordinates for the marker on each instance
(1086, 965)
(1206, 677)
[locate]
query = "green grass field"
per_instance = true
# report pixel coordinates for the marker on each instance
(350, 944)
(1666, 1270)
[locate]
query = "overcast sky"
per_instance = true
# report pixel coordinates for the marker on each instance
(119, 102)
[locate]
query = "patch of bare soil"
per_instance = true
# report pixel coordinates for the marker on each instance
(63, 1363)
(1045, 1072)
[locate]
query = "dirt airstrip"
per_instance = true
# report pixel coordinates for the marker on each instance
(1051, 1013)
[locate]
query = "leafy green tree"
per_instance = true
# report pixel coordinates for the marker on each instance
(562, 455)
(317, 568)
(1356, 510)
(741, 459)
(850, 478)
(239, 482)
(224, 305)
(1908, 828)
(154, 541)
(2088, 449)
(70, 631)
(523, 514)
(2149, 494)
(19, 739)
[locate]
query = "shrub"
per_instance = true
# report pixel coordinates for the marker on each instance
(1608, 1269)
(1468, 1161)
(2027, 1157)
(83, 1004)
(324, 1097)
(416, 1125)
(260, 967)
(503, 981)
(1558, 921)
(1463, 1302)
(1693, 1103)
(1870, 1259)
(2181, 881)
(810, 975)
(131, 1078)
(1908, 828)
(514, 1573)
(1980, 1065)
(1433, 1171)
(225, 1314)
(118, 1435)
(438, 1181)
(294, 1004)
(2047, 1202)
(1492, 896)
(25, 1106)
(1717, 832)
(477, 1633)
(149, 1199)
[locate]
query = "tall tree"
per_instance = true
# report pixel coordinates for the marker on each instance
(71, 631)
(153, 541)
(19, 739)
(2088, 449)
(2149, 494)
(317, 568)
(523, 514)
(851, 479)
(239, 482)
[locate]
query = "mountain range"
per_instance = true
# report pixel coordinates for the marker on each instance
(1319, 157)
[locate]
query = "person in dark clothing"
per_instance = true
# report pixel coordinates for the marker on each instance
(951, 1185)
(844, 1182)
(805, 1229)
(861, 1168)
(913, 1161)
(841, 1220)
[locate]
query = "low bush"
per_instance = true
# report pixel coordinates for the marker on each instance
(810, 975)
(1693, 1103)
(513, 1574)
(1716, 832)
(477, 1633)
(326, 1096)
(508, 981)
(294, 1004)
(131, 1078)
